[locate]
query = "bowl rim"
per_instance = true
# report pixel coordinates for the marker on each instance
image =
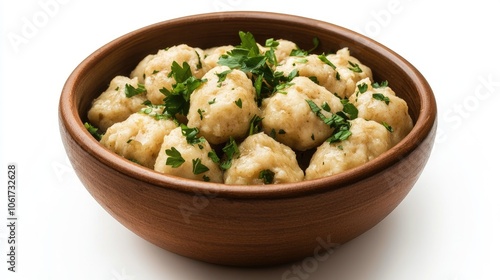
(423, 126)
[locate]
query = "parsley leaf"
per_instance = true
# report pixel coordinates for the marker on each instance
(340, 135)
(326, 107)
(267, 176)
(255, 125)
(248, 42)
(222, 75)
(176, 101)
(259, 67)
(381, 97)
(354, 67)
(94, 131)
(315, 44)
(132, 91)
(174, 157)
(380, 85)
(180, 73)
(362, 88)
(199, 167)
(153, 111)
(349, 109)
(300, 52)
(323, 58)
(388, 127)
(230, 150)
(270, 54)
(239, 103)
(191, 134)
(199, 65)
(213, 156)
(338, 121)
(200, 112)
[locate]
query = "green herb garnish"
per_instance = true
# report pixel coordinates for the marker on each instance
(239, 103)
(222, 76)
(230, 151)
(191, 134)
(213, 156)
(259, 66)
(323, 58)
(267, 176)
(354, 67)
(362, 88)
(381, 97)
(388, 127)
(176, 101)
(132, 91)
(255, 125)
(199, 167)
(382, 84)
(94, 131)
(338, 121)
(174, 157)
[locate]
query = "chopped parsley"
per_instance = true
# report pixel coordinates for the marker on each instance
(153, 111)
(354, 67)
(267, 176)
(381, 85)
(338, 121)
(239, 103)
(255, 125)
(130, 90)
(191, 134)
(381, 97)
(323, 58)
(342, 134)
(326, 107)
(222, 76)
(270, 54)
(177, 99)
(200, 112)
(213, 156)
(175, 158)
(248, 58)
(314, 79)
(301, 60)
(94, 131)
(199, 167)
(362, 88)
(337, 76)
(388, 127)
(349, 109)
(199, 65)
(300, 52)
(230, 151)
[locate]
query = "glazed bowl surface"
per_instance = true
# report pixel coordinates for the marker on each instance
(245, 225)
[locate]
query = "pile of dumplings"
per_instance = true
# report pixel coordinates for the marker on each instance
(263, 136)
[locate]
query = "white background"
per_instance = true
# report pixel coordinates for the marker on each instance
(447, 228)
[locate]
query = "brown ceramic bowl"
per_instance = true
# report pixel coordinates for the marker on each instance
(245, 225)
